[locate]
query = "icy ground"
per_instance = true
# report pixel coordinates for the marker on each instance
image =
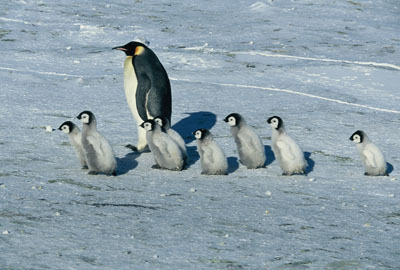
(327, 68)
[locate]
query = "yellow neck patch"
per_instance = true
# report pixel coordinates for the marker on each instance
(139, 50)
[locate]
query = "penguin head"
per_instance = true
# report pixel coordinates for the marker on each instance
(201, 133)
(275, 122)
(234, 119)
(132, 48)
(86, 117)
(148, 125)
(67, 127)
(358, 137)
(162, 122)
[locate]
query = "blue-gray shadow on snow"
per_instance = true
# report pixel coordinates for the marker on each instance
(127, 163)
(390, 168)
(193, 156)
(233, 164)
(269, 154)
(310, 162)
(186, 126)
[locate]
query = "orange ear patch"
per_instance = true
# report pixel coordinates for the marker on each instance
(139, 50)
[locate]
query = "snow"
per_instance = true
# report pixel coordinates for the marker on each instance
(327, 68)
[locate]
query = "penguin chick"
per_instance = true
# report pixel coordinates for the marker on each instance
(371, 156)
(250, 147)
(75, 138)
(147, 87)
(164, 123)
(212, 157)
(287, 152)
(98, 152)
(166, 151)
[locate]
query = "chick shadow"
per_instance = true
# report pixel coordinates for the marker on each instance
(127, 163)
(269, 155)
(233, 164)
(186, 126)
(310, 162)
(389, 168)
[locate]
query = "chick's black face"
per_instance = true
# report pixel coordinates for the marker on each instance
(275, 122)
(357, 137)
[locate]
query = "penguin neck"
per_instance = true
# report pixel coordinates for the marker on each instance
(92, 126)
(277, 132)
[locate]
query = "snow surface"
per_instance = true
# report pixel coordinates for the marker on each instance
(327, 68)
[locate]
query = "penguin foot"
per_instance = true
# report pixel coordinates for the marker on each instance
(135, 149)
(85, 167)
(156, 166)
(114, 173)
(92, 173)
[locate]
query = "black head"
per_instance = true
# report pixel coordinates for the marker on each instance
(234, 119)
(162, 122)
(148, 125)
(275, 122)
(358, 136)
(86, 117)
(132, 48)
(67, 127)
(201, 133)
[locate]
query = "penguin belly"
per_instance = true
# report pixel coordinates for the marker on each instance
(250, 148)
(130, 86)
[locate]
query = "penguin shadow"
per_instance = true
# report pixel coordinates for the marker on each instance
(310, 162)
(389, 168)
(233, 164)
(269, 155)
(186, 126)
(127, 163)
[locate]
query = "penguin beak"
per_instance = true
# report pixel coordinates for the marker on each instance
(119, 48)
(142, 125)
(226, 120)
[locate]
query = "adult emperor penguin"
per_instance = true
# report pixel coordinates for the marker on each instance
(250, 147)
(147, 87)
(164, 123)
(75, 138)
(98, 152)
(166, 151)
(287, 152)
(212, 157)
(372, 157)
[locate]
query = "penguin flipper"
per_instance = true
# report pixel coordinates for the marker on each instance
(370, 158)
(142, 92)
(285, 150)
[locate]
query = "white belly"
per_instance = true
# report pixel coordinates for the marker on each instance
(130, 85)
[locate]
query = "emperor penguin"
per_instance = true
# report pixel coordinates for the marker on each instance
(287, 152)
(75, 138)
(166, 151)
(249, 145)
(371, 156)
(212, 157)
(164, 123)
(147, 87)
(98, 152)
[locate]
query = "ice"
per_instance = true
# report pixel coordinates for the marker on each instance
(327, 68)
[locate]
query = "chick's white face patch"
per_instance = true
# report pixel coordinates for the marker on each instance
(198, 134)
(148, 126)
(274, 123)
(85, 118)
(232, 121)
(158, 121)
(65, 129)
(356, 138)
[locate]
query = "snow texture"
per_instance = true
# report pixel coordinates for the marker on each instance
(327, 68)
